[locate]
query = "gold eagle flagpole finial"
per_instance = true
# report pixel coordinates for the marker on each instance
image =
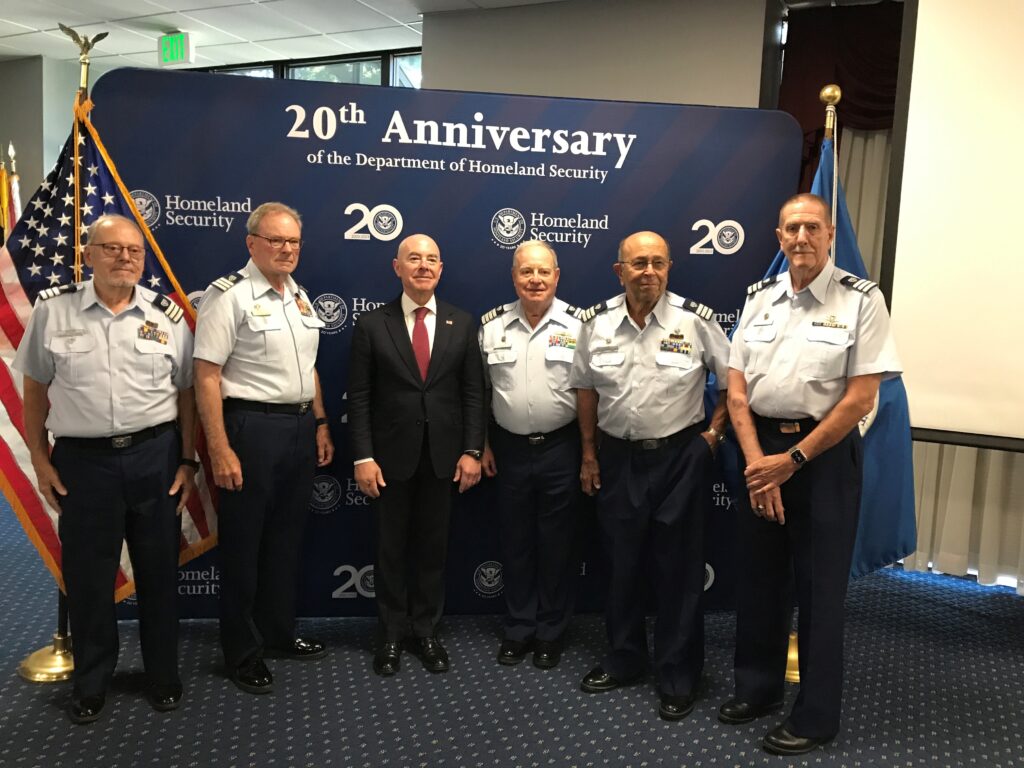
(85, 44)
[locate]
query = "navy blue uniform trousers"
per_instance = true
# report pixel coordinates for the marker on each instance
(812, 551)
(539, 503)
(117, 495)
(260, 529)
(651, 506)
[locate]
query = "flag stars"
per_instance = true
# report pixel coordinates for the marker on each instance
(57, 258)
(54, 278)
(37, 203)
(47, 211)
(84, 229)
(154, 282)
(93, 169)
(48, 184)
(65, 220)
(86, 210)
(24, 241)
(43, 230)
(108, 199)
(69, 200)
(70, 178)
(34, 270)
(62, 239)
(90, 189)
(38, 250)
(81, 139)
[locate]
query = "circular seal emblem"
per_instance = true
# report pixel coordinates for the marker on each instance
(365, 587)
(487, 578)
(331, 309)
(386, 222)
(326, 494)
(728, 237)
(508, 227)
(148, 205)
(194, 298)
(709, 576)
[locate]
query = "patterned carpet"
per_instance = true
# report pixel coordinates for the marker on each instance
(935, 669)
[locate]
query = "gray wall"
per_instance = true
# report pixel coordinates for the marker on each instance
(675, 51)
(21, 119)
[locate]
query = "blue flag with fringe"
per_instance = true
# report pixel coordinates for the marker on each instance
(887, 529)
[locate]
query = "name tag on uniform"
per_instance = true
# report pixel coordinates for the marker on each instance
(562, 340)
(150, 332)
(70, 333)
(259, 310)
(304, 308)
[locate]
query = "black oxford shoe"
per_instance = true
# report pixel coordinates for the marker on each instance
(164, 698)
(547, 654)
(599, 681)
(86, 709)
(512, 652)
(305, 649)
(387, 660)
(738, 712)
(253, 677)
(780, 741)
(675, 707)
(431, 653)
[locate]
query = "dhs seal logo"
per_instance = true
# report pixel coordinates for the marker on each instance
(365, 586)
(332, 310)
(508, 227)
(326, 495)
(386, 222)
(709, 576)
(487, 579)
(194, 298)
(148, 206)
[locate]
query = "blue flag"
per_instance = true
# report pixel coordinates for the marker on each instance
(887, 529)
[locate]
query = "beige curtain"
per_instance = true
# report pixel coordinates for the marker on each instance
(970, 502)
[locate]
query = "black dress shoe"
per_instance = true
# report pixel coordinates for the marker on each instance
(675, 707)
(512, 652)
(164, 698)
(253, 677)
(738, 712)
(780, 741)
(547, 654)
(387, 660)
(431, 653)
(86, 709)
(299, 649)
(599, 681)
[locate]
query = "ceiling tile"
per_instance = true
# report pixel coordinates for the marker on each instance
(309, 46)
(335, 15)
(380, 39)
(252, 22)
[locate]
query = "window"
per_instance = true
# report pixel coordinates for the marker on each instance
(249, 72)
(407, 70)
(402, 69)
(357, 72)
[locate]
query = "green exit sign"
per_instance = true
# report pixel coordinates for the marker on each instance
(175, 48)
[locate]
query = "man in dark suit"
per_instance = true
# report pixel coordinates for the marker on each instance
(416, 421)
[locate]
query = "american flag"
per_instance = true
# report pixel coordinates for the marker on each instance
(41, 254)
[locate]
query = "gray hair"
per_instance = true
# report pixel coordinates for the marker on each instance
(108, 217)
(535, 243)
(622, 243)
(253, 223)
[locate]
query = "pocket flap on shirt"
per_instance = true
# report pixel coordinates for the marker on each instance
(837, 336)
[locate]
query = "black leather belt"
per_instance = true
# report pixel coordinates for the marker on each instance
(295, 409)
(116, 443)
(539, 438)
(654, 443)
(787, 426)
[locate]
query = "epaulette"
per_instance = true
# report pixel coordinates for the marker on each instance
(499, 310)
(858, 283)
(49, 293)
(586, 315)
(228, 281)
(701, 310)
(572, 311)
(752, 289)
(169, 308)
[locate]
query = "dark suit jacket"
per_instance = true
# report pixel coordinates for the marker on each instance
(389, 404)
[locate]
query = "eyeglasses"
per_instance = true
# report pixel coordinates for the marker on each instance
(639, 265)
(416, 260)
(277, 243)
(113, 250)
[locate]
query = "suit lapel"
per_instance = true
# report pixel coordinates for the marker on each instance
(443, 330)
(394, 321)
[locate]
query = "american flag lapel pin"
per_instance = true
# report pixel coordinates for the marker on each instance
(448, 322)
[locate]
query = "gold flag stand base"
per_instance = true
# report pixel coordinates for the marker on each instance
(792, 661)
(51, 664)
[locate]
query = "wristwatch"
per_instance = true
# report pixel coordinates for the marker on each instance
(798, 456)
(188, 463)
(475, 454)
(719, 436)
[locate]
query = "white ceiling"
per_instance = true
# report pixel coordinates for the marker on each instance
(225, 31)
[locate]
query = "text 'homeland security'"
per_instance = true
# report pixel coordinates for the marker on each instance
(519, 139)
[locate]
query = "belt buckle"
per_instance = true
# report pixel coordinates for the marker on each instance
(535, 439)
(303, 407)
(789, 427)
(649, 445)
(121, 441)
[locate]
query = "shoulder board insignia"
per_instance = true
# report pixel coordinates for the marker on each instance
(858, 283)
(572, 311)
(499, 310)
(49, 293)
(228, 281)
(169, 308)
(586, 315)
(701, 310)
(752, 289)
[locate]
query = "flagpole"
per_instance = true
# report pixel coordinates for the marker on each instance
(54, 663)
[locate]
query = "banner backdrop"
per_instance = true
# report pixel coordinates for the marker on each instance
(367, 166)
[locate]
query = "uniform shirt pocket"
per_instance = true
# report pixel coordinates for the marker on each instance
(560, 354)
(312, 321)
(263, 323)
(826, 353)
(501, 365)
(606, 360)
(156, 360)
(71, 358)
(677, 361)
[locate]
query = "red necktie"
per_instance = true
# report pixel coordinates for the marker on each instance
(421, 342)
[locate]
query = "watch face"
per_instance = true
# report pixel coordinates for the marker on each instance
(797, 456)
